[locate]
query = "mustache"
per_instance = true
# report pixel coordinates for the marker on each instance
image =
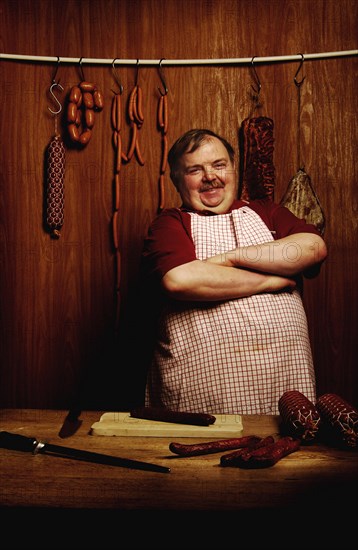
(212, 185)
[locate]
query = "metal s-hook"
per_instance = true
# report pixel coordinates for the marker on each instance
(258, 83)
(82, 76)
(116, 77)
(53, 79)
(54, 85)
(161, 74)
(136, 73)
(299, 83)
(55, 98)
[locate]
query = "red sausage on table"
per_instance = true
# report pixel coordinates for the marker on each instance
(233, 459)
(300, 418)
(195, 449)
(177, 417)
(270, 454)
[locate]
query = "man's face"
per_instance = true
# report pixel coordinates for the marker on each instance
(207, 178)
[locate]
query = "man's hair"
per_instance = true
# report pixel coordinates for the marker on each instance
(190, 142)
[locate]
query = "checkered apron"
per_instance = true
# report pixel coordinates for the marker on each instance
(237, 356)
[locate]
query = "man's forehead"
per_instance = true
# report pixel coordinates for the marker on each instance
(208, 147)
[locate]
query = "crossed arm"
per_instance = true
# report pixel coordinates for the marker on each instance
(244, 271)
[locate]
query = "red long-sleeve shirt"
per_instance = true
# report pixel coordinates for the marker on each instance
(169, 242)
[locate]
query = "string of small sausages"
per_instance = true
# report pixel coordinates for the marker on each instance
(116, 121)
(162, 119)
(162, 122)
(84, 100)
(136, 118)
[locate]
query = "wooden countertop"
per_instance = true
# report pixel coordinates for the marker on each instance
(316, 474)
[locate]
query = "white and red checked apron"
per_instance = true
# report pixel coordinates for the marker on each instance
(237, 356)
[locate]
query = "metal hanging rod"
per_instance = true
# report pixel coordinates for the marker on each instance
(155, 62)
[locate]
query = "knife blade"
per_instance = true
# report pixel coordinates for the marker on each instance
(71, 424)
(18, 442)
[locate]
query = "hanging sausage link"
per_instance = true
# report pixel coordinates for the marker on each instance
(136, 118)
(258, 178)
(55, 185)
(116, 121)
(84, 100)
(162, 120)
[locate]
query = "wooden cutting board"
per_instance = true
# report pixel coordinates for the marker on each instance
(122, 424)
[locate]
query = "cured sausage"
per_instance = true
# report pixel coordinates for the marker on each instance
(195, 449)
(88, 100)
(133, 141)
(87, 86)
(115, 229)
(131, 101)
(300, 418)
(258, 178)
(161, 191)
(138, 152)
(116, 191)
(73, 132)
(75, 94)
(116, 112)
(116, 115)
(71, 112)
(165, 114)
(177, 417)
(118, 152)
(233, 459)
(139, 105)
(89, 118)
(85, 136)
(84, 99)
(340, 419)
(270, 454)
(98, 100)
(301, 199)
(164, 154)
(160, 112)
(136, 117)
(55, 185)
(162, 123)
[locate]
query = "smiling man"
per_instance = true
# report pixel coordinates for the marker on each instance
(204, 172)
(232, 333)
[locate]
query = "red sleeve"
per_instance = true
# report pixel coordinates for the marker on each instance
(280, 220)
(168, 243)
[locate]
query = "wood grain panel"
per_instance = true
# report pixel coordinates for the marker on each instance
(58, 298)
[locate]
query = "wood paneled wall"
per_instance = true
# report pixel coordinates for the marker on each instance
(58, 298)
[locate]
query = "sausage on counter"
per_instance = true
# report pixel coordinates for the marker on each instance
(177, 417)
(340, 420)
(270, 454)
(195, 449)
(300, 418)
(233, 459)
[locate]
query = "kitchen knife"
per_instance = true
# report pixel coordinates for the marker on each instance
(71, 424)
(19, 442)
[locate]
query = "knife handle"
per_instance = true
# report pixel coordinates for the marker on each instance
(17, 442)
